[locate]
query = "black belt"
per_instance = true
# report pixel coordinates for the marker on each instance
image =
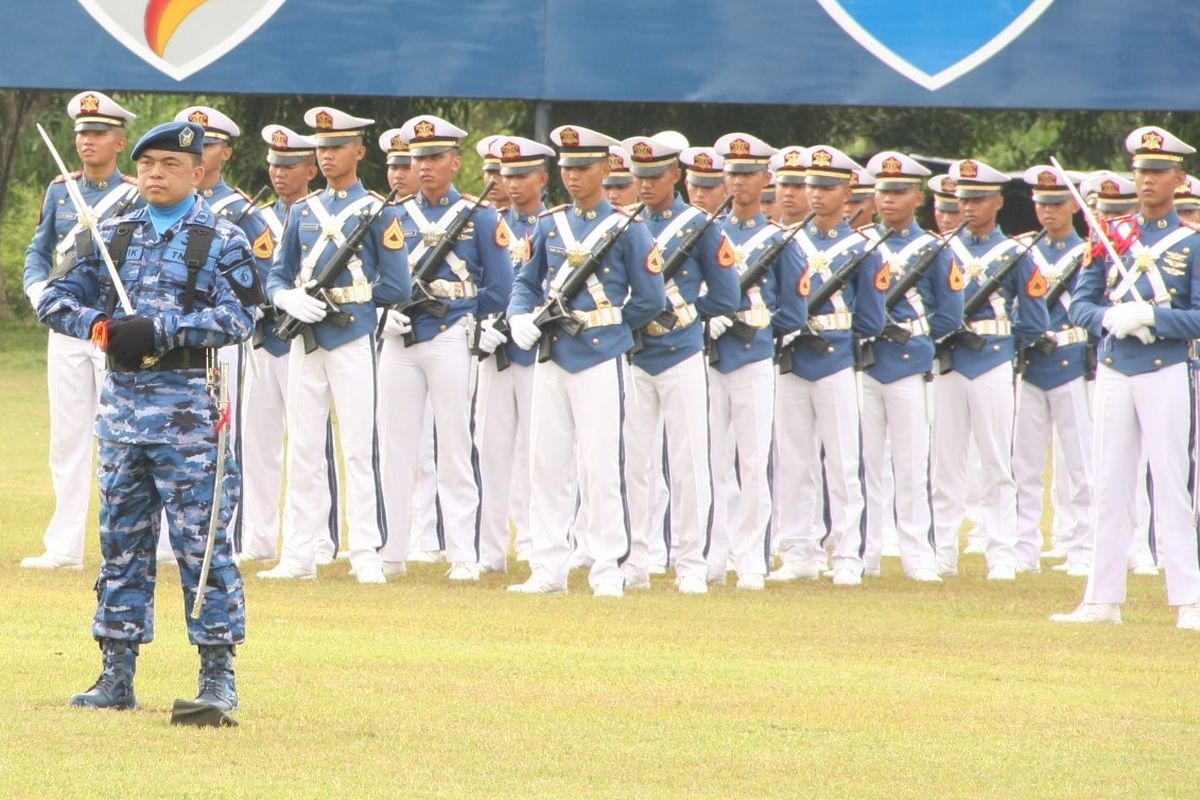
(179, 358)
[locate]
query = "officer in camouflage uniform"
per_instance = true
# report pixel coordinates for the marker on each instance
(191, 280)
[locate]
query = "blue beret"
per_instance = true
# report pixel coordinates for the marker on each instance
(179, 137)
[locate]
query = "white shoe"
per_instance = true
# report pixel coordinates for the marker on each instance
(282, 572)
(692, 584)
(890, 550)
(1022, 567)
(324, 559)
(484, 569)
(371, 573)
(463, 571)
(1063, 567)
(249, 555)
(609, 589)
(165, 557)
(395, 568)
(657, 569)
(1055, 552)
(1145, 569)
(523, 554)
(1002, 572)
(944, 570)
(924, 575)
(750, 583)
(536, 586)
(579, 562)
(53, 561)
(1091, 612)
(847, 577)
(870, 572)
(1079, 570)
(794, 571)
(716, 580)
(1189, 618)
(975, 547)
(426, 557)
(637, 584)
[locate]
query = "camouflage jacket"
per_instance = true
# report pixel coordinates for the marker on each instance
(165, 406)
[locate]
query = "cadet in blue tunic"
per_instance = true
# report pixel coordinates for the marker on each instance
(1147, 309)
(1054, 394)
(578, 393)
(291, 166)
(975, 399)
(896, 401)
(342, 367)
(819, 398)
(704, 179)
(73, 366)
(503, 397)
(475, 278)
(158, 419)
(668, 380)
(742, 382)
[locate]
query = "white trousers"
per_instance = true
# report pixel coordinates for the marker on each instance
(815, 415)
(437, 372)
(342, 379)
(502, 406)
(741, 414)
(897, 412)
(1063, 409)
(676, 400)
(74, 375)
(425, 532)
(1148, 413)
(980, 410)
(578, 413)
(264, 419)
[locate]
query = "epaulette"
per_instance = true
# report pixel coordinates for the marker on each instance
(129, 179)
(1024, 237)
(554, 210)
(265, 205)
(471, 198)
(402, 200)
(376, 194)
(1187, 223)
(864, 228)
(310, 194)
(629, 209)
(72, 176)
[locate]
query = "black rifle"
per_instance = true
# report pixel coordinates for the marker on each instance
(422, 299)
(288, 327)
(251, 205)
(983, 295)
(1042, 344)
(557, 312)
(892, 330)
(813, 339)
(674, 263)
(743, 330)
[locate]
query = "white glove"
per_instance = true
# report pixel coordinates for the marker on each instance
(297, 303)
(1144, 335)
(1123, 319)
(524, 332)
(396, 324)
(718, 325)
(489, 337)
(34, 293)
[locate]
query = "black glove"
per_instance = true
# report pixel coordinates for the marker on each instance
(129, 339)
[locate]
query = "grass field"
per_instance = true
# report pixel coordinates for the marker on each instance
(419, 689)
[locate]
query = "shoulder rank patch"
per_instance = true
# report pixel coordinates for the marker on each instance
(654, 261)
(393, 237)
(804, 285)
(956, 280)
(726, 255)
(554, 210)
(883, 278)
(502, 236)
(264, 245)
(72, 176)
(1037, 285)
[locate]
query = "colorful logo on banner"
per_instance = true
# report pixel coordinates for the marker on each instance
(181, 37)
(934, 42)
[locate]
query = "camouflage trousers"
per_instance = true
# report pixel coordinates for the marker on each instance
(137, 483)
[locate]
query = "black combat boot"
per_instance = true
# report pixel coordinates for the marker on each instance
(114, 687)
(216, 677)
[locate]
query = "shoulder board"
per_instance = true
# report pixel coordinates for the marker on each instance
(1023, 238)
(129, 179)
(1187, 223)
(554, 210)
(864, 228)
(404, 199)
(376, 194)
(72, 176)
(471, 198)
(307, 196)
(265, 206)
(629, 209)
